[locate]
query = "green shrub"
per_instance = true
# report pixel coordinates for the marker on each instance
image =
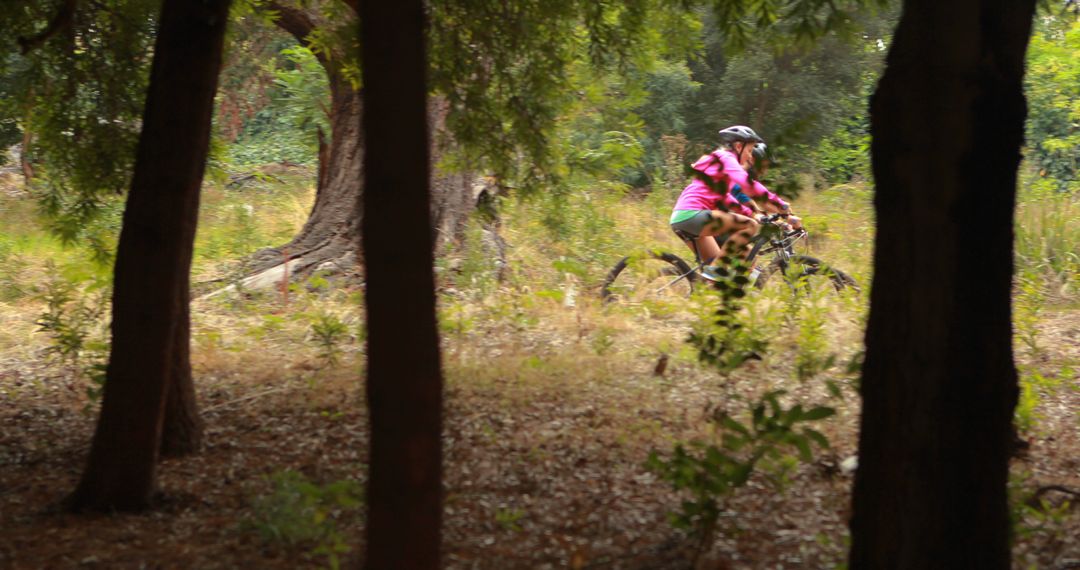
(328, 332)
(298, 512)
(771, 438)
(75, 321)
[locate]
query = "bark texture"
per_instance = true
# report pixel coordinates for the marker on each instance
(332, 230)
(404, 377)
(182, 433)
(153, 259)
(939, 382)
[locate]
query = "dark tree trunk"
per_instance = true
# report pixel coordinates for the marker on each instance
(153, 257)
(939, 382)
(404, 378)
(183, 429)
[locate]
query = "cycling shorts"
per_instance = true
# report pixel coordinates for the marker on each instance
(692, 222)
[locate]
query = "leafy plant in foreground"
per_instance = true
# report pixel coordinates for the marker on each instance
(771, 439)
(722, 341)
(298, 512)
(812, 356)
(711, 473)
(75, 325)
(328, 331)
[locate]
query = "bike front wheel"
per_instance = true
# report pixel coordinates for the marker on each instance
(649, 277)
(804, 274)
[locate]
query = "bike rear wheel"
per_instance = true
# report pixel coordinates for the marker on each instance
(649, 277)
(804, 274)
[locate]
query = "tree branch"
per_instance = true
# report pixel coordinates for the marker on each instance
(294, 21)
(62, 19)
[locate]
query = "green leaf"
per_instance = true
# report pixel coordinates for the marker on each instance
(834, 389)
(817, 437)
(730, 423)
(819, 413)
(803, 445)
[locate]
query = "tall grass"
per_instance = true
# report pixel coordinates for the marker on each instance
(1048, 236)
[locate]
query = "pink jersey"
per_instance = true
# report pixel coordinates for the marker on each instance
(758, 190)
(722, 169)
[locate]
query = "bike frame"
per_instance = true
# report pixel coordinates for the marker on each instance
(783, 247)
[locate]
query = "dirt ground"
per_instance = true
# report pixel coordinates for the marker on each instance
(546, 439)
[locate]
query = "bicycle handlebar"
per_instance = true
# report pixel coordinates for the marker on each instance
(770, 218)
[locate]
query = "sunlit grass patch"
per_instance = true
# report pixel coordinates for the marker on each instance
(1048, 238)
(235, 223)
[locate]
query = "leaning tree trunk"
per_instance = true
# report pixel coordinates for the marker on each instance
(939, 382)
(332, 228)
(331, 232)
(153, 258)
(404, 377)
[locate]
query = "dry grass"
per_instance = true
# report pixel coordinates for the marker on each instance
(551, 410)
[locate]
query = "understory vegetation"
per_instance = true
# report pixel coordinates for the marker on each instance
(552, 392)
(717, 429)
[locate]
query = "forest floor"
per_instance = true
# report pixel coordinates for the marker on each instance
(548, 428)
(553, 404)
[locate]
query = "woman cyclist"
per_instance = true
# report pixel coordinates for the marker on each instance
(757, 193)
(710, 206)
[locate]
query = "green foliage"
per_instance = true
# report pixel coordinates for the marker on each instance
(805, 98)
(1052, 86)
(812, 356)
(507, 75)
(306, 89)
(12, 265)
(670, 89)
(722, 341)
(69, 217)
(767, 441)
(74, 320)
(299, 512)
(1034, 387)
(80, 94)
(799, 21)
(1048, 235)
(602, 341)
(236, 232)
(286, 126)
(1028, 307)
(1031, 510)
(328, 332)
(508, 519)
(845, 154)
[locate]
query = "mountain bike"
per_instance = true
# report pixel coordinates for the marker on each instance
(656, 275)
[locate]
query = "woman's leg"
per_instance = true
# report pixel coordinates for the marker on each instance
(741, 228)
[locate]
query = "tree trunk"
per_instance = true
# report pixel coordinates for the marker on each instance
(183, 429)
(404, 377)
(24, 157)
(454, 195)
(332, 229)
(939, 382)
(153, 257)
